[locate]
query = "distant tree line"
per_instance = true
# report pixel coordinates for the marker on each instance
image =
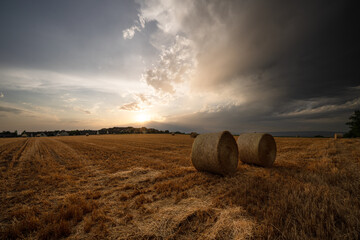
(8, 134)
(113, 130)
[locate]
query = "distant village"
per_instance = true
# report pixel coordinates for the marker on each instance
(114, 130)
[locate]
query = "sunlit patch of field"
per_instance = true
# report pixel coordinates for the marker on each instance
(144, 187)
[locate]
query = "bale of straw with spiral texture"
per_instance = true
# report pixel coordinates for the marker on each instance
(215, 153)
(257, 148)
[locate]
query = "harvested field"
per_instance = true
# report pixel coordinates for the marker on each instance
(145, 187)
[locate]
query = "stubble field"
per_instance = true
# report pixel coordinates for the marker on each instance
(145, 187)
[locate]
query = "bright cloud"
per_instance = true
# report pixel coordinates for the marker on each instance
(175, 67)
(134, 106)
(137, 27)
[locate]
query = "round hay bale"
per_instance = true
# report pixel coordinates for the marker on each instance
(193, 134)
(257, 148)
(215, 153)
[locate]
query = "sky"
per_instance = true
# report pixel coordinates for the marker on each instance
(206, 66)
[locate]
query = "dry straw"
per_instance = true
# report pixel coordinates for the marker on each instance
(257, 148)
(215, 153)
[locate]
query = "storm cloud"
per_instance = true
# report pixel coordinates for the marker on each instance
(280, 61)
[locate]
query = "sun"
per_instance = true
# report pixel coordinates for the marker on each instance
(142, 117)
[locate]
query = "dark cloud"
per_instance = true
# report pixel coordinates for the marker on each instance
(10, 110)
(82, 110)
(251, 119)
(306, 49)
(134, 106)
(141, 102)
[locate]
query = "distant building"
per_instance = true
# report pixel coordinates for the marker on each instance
(41, 135)
(338, 135)
(63, 133)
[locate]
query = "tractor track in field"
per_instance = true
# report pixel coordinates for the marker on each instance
(10, 152)
(18, 154)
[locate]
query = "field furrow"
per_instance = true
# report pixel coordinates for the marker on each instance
(8, 150)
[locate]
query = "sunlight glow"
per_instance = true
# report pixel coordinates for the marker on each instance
(142, 117)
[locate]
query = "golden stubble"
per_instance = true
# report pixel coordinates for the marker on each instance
(144, 186)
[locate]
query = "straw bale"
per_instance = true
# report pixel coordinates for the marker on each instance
(257, 148)
(215, 153)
